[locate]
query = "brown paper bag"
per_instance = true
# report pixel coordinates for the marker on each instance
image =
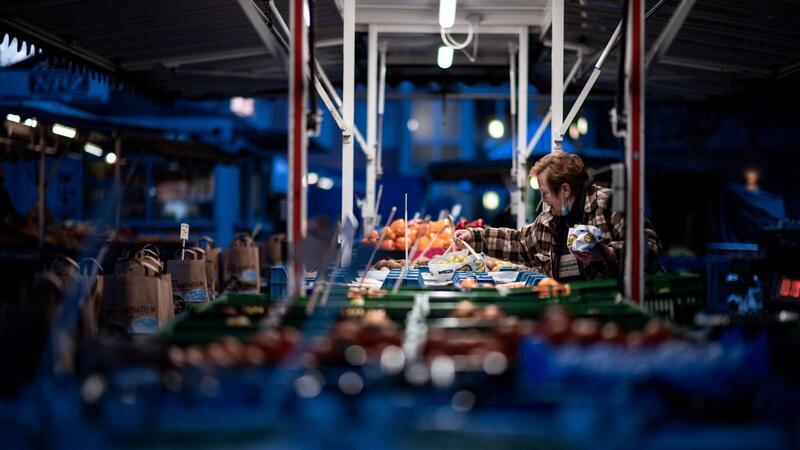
(189, 285)
(240, 268)
(50, 284)
(272, 252)
(137, 298)
(213, 270)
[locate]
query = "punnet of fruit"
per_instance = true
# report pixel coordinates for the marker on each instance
(445, 266)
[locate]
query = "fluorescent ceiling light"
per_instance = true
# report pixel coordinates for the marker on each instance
(13, 118)
(534, 183)
(445, 57)
(93, 149)
(312, 178)
(447, 13)
(33, 123)
(111, 158)
(65, 131)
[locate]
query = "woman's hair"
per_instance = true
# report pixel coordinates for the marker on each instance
(562, 168)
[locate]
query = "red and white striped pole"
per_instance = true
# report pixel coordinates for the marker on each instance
(298, 90)
(634, 152)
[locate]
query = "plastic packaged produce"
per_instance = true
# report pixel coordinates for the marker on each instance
(583, 238)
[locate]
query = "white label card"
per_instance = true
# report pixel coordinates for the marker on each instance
(568, 267)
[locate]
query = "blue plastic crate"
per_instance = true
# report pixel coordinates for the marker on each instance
(412, 278)
(480, 277)
(278, 274)
(530, 278)
(278, 280)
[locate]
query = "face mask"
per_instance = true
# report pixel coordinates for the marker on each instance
(565, 207)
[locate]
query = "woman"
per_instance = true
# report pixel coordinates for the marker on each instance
(570, 199)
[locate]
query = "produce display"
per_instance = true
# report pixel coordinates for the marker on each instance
(399, 358)
(437, 235)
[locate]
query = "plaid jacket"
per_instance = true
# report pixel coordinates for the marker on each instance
(534, 245)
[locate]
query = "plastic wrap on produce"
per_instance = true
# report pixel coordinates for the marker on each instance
(444, 267)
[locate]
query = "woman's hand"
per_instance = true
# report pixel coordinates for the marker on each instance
(462, 235)
(600, 253)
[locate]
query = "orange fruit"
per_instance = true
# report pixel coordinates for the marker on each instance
(399, 227)
(424, 241)
(390, 235)
(400, 243)
(437, 226)
(547, 282)
(387, 244)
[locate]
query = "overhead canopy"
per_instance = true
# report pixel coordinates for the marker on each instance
(211, 49)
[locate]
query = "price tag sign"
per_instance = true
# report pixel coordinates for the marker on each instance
(184, 231)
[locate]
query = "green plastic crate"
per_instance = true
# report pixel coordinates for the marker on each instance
(677, 297)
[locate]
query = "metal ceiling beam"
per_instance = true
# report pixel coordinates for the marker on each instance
(58, 43)
(384, 28)
(490, 16)
(199, 58)
(668, 34)
(788, 70)
(425, 57)
(258, 21)
(712, 67)
(260, 75)
(32, 4)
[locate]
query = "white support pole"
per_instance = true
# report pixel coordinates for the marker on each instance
(515, 193)
(668, 34)
(328, 90)
(367, 213)
(598, 69)
(348, 113)
(635, 247)
(298, 91)
(557, 75)
(522, 126)
(381, 105)
(546, 119)
(334, 112)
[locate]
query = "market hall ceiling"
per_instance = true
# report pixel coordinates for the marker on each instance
(210, 49)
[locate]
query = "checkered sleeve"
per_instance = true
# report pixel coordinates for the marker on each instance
(517, 246)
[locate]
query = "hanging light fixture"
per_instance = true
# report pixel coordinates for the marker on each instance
(447, 13)
(445, 57)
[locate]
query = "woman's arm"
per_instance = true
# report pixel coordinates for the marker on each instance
(518, 246)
